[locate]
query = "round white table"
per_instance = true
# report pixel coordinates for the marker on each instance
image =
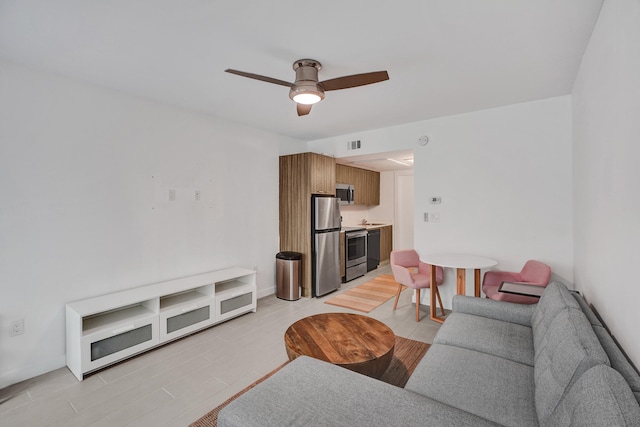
(461, 262)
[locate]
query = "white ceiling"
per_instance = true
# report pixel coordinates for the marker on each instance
(443, 56)
(391, 161)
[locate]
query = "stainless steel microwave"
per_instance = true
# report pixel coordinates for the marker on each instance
(346, 194)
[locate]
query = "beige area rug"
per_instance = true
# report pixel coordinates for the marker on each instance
(369, 295)
(406, 355)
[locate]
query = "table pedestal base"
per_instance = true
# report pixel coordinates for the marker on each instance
(461, 289)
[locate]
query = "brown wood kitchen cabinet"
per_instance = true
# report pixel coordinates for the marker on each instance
(372, 188)
(302, 175)
(386, 242)
(366, 184)
(322, 174)
(344, 174)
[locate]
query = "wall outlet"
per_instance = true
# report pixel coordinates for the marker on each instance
(172, 195)
(17, 327)
(426, 217)
(197, 195)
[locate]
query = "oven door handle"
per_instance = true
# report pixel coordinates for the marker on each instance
(356, 234)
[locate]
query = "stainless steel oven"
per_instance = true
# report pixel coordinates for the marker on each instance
(355, 253)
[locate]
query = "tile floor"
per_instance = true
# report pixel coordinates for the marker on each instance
(178, 383)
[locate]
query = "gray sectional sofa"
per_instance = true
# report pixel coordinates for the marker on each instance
(491, 363)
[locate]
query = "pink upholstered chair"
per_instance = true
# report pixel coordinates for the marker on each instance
(404, 264)
(533, 273)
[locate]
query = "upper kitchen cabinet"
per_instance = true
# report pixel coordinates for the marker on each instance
(344, 174)
(308, 173)
(323, 174)
(366, 184)
(372, 188)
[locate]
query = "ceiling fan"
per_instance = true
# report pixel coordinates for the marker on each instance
(307, 90)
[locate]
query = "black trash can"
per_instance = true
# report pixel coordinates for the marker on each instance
(288, 275)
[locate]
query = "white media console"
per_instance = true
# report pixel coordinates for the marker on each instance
(109, 328)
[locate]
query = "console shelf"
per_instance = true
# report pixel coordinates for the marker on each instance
(172, 301)
(114, 319)
(109, 328)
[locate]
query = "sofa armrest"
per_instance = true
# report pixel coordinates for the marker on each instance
(499, 310)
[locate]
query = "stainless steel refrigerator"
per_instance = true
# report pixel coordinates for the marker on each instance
(325, 238)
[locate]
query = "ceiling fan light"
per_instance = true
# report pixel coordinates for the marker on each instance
(307, 98)
(306, 93)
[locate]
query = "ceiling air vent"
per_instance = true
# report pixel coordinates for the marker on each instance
(353, 145)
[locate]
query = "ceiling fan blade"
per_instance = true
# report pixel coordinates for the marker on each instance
(259, 77)
(304, 109)
(355, 80)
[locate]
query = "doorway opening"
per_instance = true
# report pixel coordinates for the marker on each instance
(396, 194)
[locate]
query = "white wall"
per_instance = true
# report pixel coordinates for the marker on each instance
(606, 158)
(84, 178)
(353, 215)
(384, 212)
(504, 176)
(404, 210)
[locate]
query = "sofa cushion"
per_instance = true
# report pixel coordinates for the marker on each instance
(591, 316)
(496, 337)
(562, 355)
(309, 392)
(555, 299)
(490, 387)
(618, 360)
(499, 310)
(599, 398)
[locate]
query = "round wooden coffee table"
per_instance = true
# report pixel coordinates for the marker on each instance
(355, 342)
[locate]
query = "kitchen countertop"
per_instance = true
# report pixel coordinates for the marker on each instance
(349, 228)
(373, 226)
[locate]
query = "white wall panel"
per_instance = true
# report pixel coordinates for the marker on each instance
(606, 158)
